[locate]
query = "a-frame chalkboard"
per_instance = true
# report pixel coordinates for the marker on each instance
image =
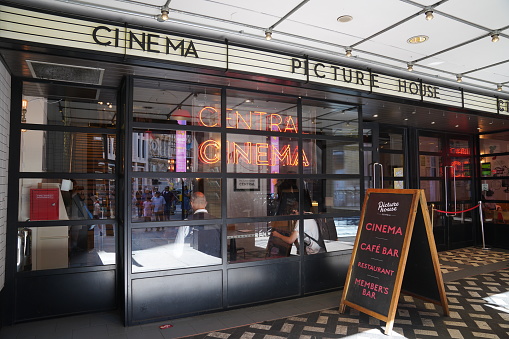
(394, 250)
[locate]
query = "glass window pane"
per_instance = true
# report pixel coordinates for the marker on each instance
(494, 143)
(261, 112)
(262, 154)
(281, 197)
(368, 137)
(328, 118)
(160, 199)
(432, 189)
(346, 228)
(42, 248)
(392, 164)
(176, 104)
(52, 151)
(391, 140)
(334, 196)
(500, 189)
(429, 144)
(65, 105)
(461, 167)
(171, 247)
(497, 166)
(176, 151)
(430, 166)
(368, 163)
(64, 199)
(457, 146)
(463, 190)
(331, 157)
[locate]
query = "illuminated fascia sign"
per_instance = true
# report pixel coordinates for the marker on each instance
(260, 154)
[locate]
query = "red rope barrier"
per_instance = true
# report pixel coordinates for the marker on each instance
(459, 211)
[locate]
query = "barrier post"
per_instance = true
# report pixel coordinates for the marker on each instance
(482, 226)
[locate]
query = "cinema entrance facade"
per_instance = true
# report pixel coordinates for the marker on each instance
(113, 129)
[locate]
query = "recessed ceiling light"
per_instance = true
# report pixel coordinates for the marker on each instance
(457, 126)
(418, 39)
(432, 122)
(345, 18)
(375, 115)
(406, 119)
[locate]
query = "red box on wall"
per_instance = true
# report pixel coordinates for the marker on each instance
(44, 203)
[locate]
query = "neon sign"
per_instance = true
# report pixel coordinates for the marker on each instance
(254, 120)
(459, 150)
(260, 154)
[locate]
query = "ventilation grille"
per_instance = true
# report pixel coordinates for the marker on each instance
(68, 73)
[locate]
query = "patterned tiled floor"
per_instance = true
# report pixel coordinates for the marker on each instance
(479, 308)
(478, 299)
(473, 256)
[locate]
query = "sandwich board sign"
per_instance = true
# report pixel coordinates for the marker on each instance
(394, 251)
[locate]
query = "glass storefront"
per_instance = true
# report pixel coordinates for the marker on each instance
(263, 165)
(67, 205)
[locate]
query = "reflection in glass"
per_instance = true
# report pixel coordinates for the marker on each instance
(54, 151)
(430, 166)
(392, 164)
(258, 241)
(429, 144)
(64, 199)
(281, 196)
(331, 157)
(176, 151)
(461, 167)
(176, 247)
(41, 248)
(494, 143)
(261, 112)
(392, 141)
(330, 119)
(457, 146)
(495, 166)
(432, 189)
(161, 199)
(94, 108)
(176, 104)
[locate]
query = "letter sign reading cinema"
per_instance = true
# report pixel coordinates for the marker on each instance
(386, 260)
(260, 154)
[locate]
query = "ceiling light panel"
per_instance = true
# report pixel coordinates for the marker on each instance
(323, 14)
(438, 41)
(469, 54)
(496, 74)
(475, 11)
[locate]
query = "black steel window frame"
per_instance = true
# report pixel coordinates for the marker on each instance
(15, 175)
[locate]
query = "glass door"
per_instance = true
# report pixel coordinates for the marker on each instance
(445, 174)
(384, 156)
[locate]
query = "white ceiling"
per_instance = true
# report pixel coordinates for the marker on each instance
(459, 35)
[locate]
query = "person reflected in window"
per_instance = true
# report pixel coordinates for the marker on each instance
(158, 202)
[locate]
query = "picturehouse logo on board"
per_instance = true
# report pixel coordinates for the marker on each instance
(387, 206)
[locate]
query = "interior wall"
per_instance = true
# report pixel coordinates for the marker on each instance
(5, 107)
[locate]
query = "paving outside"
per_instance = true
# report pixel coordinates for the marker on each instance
(476, 283)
